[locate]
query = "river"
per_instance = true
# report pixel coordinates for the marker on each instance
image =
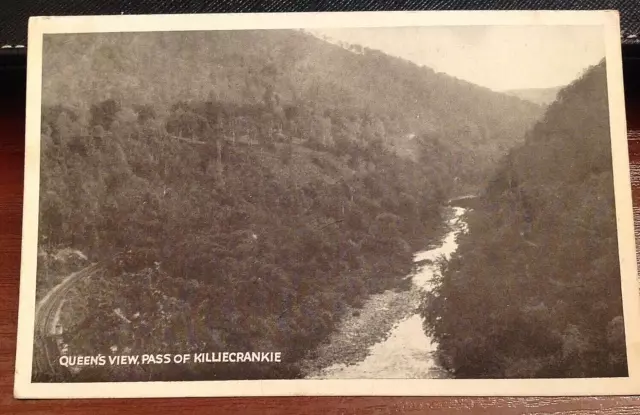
(405, 352)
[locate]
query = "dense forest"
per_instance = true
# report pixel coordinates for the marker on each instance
(251, 186)
(534, 288)
(336, 92)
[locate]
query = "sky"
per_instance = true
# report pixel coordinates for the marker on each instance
(497, 57)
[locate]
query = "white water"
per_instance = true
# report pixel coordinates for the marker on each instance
(407, 352)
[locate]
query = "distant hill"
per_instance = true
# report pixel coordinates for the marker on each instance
(540, 96)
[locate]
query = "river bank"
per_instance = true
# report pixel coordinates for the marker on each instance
(385, 338)
(362, 328)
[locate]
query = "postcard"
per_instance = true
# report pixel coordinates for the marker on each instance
(377, 203)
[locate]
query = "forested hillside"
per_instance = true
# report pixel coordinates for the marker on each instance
(534, 288)
(253, 182)
(350, 93)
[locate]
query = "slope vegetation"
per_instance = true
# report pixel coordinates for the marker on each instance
(356, 93)
(252, 181)
(534, 290)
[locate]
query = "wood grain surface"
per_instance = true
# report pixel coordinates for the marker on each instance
(11, 186)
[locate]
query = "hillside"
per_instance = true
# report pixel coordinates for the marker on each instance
(365, 93)
(252, 182)
(534, 289)
(539, 96)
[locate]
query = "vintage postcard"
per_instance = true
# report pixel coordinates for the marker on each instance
(384, 203)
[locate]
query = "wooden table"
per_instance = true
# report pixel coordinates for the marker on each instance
(11, 184)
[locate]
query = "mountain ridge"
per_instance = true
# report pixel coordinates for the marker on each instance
(539, 96)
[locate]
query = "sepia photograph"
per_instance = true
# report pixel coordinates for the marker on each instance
(326, 204)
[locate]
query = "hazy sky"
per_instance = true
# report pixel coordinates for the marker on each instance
(498, 57)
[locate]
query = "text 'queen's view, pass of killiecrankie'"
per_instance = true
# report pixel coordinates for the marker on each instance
(396, 203)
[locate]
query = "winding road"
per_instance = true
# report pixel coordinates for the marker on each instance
(47, 317)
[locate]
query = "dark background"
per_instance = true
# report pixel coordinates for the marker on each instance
(13, 24)
(15, 13)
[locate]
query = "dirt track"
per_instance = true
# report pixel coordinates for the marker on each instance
(46, 319)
